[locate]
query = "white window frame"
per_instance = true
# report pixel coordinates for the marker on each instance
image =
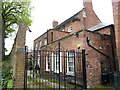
(47, 69)
(54, 58)
(68, 71)
(70, 28)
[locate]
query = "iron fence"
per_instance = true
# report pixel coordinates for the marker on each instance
(55, 69)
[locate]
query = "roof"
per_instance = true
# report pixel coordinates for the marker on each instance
(99, 26)
(67, 21)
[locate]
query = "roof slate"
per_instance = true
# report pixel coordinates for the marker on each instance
(67, 21)
(99, 26)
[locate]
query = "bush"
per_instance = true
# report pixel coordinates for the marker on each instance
(6, 79)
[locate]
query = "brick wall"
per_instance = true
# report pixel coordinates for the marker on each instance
(94, 58)
(116, 14)
(99, 50)
(17, 56)
(56, 35)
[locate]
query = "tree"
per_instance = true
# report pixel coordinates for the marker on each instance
(14, 12)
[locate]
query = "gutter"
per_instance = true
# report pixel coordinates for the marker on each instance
(76, 33)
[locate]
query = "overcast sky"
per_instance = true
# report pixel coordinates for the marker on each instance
(45, 11)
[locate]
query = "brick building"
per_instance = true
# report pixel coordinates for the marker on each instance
(85, 29)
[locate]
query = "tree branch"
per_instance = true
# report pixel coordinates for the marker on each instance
(9, 11)
(10, 24)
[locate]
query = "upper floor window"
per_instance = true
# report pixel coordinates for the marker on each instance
(51, 36)
(45, 41)
(40, 44)
(69, 28)
(36, 46)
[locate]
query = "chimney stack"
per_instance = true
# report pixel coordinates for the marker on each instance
(55, 23)
(88, 4)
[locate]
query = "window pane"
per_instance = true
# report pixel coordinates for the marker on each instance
(71, 61)
(71, 64)
(71, 69)
(69, 28)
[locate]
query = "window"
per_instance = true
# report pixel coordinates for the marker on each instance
(36, 46)
(40, 44)
(69, 28)
(70, 62)
(51, 36)
(55, 62)
(38, 60)
(47, 63)
(45, 41)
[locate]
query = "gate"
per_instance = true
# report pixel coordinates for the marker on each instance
(55, 69)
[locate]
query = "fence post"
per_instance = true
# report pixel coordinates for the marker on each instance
(26, 66)
(59, 61)
(84, 69)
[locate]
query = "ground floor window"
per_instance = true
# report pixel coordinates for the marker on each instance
(70, 62)
(38, 60)
(55, 62)
(47, 63)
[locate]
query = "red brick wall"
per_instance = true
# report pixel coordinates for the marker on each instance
(37, 41)
(91, 18)
(116, 14)
(94, 58)
(56, 35)
(105, 31)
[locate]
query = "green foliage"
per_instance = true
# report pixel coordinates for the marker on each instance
(14, 12)
(102, 87)
(6, 79)
(10, 83)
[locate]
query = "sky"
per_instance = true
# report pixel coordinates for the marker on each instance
(45, 11)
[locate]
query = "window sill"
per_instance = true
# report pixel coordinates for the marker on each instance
(47, 70)
(70, 74)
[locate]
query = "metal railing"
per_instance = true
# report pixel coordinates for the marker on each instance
(55, 69)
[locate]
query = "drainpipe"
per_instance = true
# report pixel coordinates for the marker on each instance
(112, 40)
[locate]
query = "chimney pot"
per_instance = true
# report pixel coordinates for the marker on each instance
(55, 23)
